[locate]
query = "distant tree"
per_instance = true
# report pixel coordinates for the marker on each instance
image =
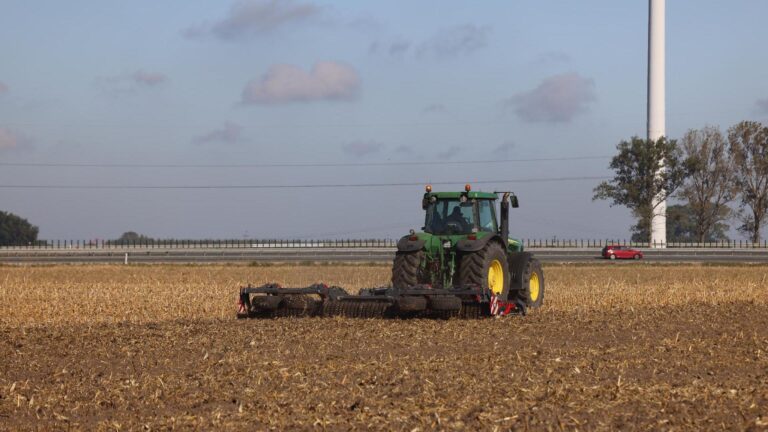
(710, 184)
(748, 146)
(15, 230)
(638, 179)
(131, 237)
(683, 228)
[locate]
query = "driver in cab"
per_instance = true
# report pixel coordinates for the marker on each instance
(457, 218)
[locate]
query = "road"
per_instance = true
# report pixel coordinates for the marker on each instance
(359, 255)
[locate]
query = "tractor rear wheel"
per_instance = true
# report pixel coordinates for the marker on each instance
(487, 268)
(406, 270)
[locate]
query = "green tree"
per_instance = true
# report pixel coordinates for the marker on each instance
(132, 237)
(15, 230)
(748, 146)
(710, 184)
(639, 178)
(682, 226)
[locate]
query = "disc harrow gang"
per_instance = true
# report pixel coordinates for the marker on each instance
(422, 301)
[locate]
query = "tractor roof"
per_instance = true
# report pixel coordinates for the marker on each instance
(457, 195)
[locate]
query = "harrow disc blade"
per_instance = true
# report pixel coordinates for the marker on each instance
(473, 310)
(355, 309)
(298, 305)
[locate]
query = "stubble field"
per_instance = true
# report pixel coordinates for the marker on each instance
(629, 347)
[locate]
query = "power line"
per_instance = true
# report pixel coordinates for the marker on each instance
(297, 186)
(294, 165)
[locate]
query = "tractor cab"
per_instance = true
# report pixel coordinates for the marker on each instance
(463, 213)
(453, 216)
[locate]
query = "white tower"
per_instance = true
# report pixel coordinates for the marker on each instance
(657, 106)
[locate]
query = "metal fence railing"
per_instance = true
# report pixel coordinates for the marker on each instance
(345, 243)
(203, 244)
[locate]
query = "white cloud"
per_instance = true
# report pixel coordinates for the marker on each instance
(130, 82)
(396, 48)
(450, 42)
(230, 133)
(249, 18)
(558, 99)
(287, 83)
(362, 148)
(459, 40)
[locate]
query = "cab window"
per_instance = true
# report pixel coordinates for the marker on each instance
(449, 216)
(487, 216)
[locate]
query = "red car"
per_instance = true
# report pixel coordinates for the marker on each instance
(618, 251)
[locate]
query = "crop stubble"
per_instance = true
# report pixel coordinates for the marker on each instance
(157, 347)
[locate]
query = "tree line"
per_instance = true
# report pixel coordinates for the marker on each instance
(716, 177)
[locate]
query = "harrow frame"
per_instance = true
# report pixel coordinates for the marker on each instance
(421, 301)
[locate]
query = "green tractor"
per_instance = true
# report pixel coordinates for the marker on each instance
(463, 264)
(463, 245)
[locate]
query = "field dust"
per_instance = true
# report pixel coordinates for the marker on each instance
(616, 347)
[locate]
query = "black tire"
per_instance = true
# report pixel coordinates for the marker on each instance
(406, 269)
(531, 271)
(474, 267)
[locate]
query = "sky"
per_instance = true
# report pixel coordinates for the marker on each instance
(207, 115)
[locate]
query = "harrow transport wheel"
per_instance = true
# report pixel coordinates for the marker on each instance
(532, 291)
(406, 270)
(487, 268)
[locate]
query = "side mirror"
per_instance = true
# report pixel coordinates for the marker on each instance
(513, 201)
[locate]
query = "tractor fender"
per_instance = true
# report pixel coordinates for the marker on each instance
(517, 262)
(466, 245)
(405, 244)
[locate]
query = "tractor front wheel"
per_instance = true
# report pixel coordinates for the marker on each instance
(486, 268)
(406, 270)
(532, 291)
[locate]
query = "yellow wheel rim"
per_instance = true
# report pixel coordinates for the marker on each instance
(496, 277)
(534, 286)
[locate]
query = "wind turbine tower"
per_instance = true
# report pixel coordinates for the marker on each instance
(657, 107)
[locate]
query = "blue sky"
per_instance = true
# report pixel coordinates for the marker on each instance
(352, 83)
